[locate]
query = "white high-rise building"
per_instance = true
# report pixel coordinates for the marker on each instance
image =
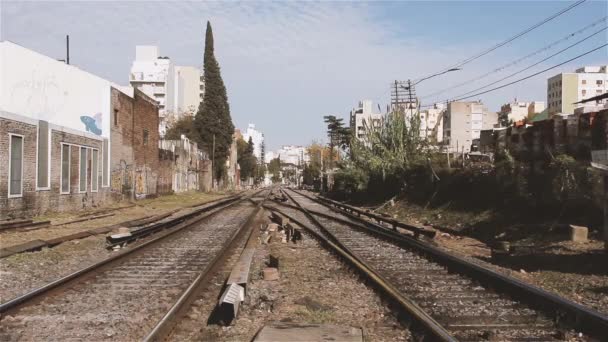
(363, 118)
(431, 123)
(178, 89)
(257, 138)
(292, 154)
(565, 89)
(189, 90)
(153, 75)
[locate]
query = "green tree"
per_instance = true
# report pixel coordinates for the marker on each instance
(212, 121)
(274, 167)
(339, 136)
(246, 159)
(183, 125)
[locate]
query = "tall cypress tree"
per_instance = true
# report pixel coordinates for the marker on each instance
(213, 116)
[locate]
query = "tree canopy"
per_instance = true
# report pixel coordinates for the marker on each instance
(247, 161)
(212, 121)
(184, 125)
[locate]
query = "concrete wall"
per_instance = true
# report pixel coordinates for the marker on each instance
(182, 167)
(576, 135)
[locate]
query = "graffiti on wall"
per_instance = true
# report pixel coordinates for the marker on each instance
(120, 179)
(38, 87)
(92, 124)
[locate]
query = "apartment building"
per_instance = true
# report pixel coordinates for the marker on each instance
(431, 123)
(565, 89)
(292, 154)
(463, 122)
(177, 89)
(362, 119)
(519, 110)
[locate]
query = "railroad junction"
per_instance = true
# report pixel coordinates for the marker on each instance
(273, 264)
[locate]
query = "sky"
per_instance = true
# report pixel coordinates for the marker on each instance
(287, 64)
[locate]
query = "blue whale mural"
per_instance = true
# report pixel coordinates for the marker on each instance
(91, 124)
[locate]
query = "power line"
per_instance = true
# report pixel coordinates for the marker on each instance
(535, 64)
(529, 76)
(515, 62)
(529, 29)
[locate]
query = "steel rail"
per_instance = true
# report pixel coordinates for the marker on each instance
(165, 325)
(438, 332)
(158, 226)
(349, 209)
(33, 294)
(576, 315)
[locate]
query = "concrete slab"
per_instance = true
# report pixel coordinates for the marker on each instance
(578, 233)
(299, 332)
(240, 272)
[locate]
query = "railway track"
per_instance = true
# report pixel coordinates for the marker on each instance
(137, 294)
(450, 303)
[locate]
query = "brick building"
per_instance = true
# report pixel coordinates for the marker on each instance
(70, 139)
(135, 138)
(50, 167)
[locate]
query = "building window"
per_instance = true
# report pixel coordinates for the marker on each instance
(584, 92)
(599, 82)
(599, 91)
(82, 170)
(43, 156)
(65, 168)
(94, 170)
(115, 117)
(15, 166)
(145, 137)
(584, 82)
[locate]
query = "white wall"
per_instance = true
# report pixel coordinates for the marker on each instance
(188, 88)
(42, 88)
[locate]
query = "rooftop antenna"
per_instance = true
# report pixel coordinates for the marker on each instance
(67, 47)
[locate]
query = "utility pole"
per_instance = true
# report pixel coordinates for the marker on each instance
(213, 164)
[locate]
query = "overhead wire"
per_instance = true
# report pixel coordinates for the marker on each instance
(535, 64)
(507, 41)
(525, 78)
(517, 61)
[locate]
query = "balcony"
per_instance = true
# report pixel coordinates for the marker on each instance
(140, 77)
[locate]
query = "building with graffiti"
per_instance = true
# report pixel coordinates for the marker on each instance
(70, 139)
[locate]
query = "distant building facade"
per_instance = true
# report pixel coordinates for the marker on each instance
(257, 138)
(565, 89)
(520, 110)
(292, 154)
(177, 89)
(431, 123)
(463, 122)
(362, 119)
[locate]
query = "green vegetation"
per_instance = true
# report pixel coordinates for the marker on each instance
(274, 167)
(184, 125)
(247, 161)
(212, 122)
(393, 160)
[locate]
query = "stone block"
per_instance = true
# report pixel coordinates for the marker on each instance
(578, 233)
(271, 273)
